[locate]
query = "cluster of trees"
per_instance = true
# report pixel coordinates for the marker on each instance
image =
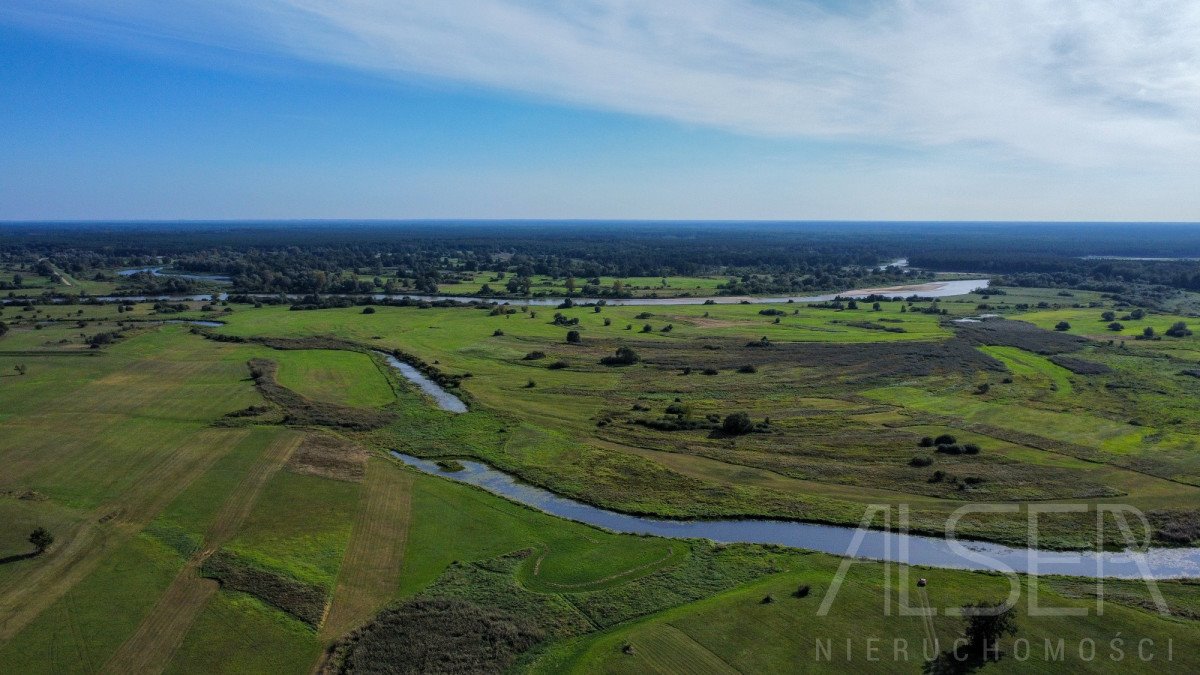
(754, 257)
(358, 258)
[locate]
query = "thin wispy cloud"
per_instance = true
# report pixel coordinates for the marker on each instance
(1070, 82)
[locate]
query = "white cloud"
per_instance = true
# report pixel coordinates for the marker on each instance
(1073, 82)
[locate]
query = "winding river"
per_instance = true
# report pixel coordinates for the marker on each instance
(1160, 563)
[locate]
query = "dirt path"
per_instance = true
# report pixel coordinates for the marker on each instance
(371, 567)
(162, 630)
(24, 597)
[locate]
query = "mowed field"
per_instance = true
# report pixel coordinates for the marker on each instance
(200, 527)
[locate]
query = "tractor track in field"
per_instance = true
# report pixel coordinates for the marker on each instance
(374, 557)
(150, 648)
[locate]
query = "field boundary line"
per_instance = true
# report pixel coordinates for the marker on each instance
(374, 557)
(150, 648)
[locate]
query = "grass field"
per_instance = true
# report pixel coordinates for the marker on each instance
(736, 632)
(194, 532)
(342, 377)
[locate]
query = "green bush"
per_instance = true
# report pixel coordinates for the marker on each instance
(737, 424)
(625, 356)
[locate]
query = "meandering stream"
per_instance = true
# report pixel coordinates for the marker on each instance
(1161, 563)
(444, 399)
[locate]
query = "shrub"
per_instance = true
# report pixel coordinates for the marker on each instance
(530, 384)
(624, 357)
(937, 477)
(647, 328)
(1108, 316)
(1062, 326)
(945, 439)
(926, 442)
(737, 423)
(748, 369)
(1178, 329)
(607, 321)
(534, 356)
(970, 449)
(497, 333)
(920, 461)
(710, 371)
(1116, 326)
(951, 449)
(802, 592)
(368, 310)
(558, 365)
(573, 337)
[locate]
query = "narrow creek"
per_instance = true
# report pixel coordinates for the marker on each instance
(444, 399)
(1159, 563)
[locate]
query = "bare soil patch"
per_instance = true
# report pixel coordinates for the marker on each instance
(329, 456)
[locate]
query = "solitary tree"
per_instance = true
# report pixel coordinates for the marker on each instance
(1062, 326)
(41, 539)
(986, 624)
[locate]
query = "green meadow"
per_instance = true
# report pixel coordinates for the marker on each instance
(210, 518)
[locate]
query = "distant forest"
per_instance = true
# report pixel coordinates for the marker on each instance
(755, 257)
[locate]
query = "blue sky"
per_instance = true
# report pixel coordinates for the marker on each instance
(704, 109)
